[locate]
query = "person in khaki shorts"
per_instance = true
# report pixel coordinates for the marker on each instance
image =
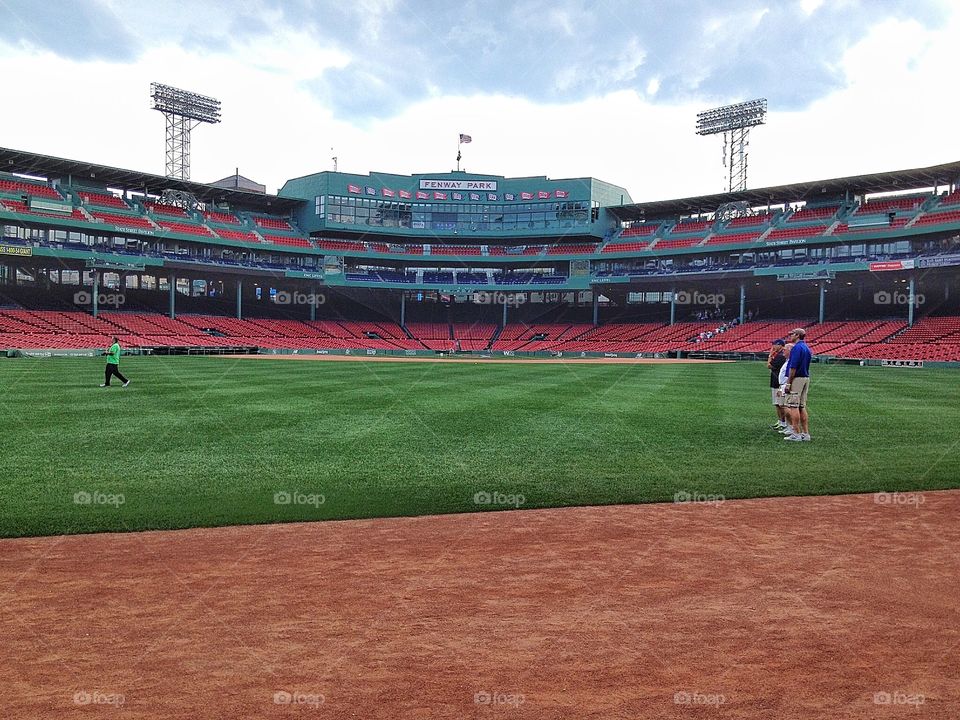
(777, 360)
(797, 386)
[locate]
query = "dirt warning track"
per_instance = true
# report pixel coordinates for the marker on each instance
(794, 608)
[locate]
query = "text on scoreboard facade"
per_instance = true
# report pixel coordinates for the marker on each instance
(436, 184)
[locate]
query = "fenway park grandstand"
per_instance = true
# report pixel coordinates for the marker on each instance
(478, 264)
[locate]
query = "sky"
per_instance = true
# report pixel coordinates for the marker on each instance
(564, 88)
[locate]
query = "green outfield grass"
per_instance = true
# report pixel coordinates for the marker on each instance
(210, 441)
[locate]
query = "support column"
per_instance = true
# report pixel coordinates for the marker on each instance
(313, 303)
(239, 300)
(673, 306)
(504, 321)
(743, 303)
(823, 299)
(596, 307)
(173, 295)
(911, 298)
(96, 291)
(403, 308)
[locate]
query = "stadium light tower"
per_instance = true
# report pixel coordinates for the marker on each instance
(734, 121)
(183, 110)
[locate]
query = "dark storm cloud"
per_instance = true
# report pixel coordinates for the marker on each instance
(78, 30)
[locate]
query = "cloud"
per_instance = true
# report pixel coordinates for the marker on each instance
(401, 52)
(570, 50)
(617, 101)
(361, 94)
(77, 30)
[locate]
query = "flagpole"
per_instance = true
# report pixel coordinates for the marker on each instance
(459, 143)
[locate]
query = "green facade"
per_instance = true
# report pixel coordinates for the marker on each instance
(453, 205)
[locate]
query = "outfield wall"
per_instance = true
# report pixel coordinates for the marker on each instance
(477, 355)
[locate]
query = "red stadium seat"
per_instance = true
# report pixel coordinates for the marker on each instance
(19, 187)
(103, 200)
(169, 210)
(274, 223)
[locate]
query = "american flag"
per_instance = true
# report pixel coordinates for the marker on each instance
(465, 138)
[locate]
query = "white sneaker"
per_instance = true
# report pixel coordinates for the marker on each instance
(125, 384)
(805, 437)
(793, 437)
(786, 430)
(102, 385)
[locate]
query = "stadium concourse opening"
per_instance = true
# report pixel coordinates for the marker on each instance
(476, 264)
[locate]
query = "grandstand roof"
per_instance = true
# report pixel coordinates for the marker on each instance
(856, 184)
(18, 161)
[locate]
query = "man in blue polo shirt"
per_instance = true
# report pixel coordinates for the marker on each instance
(798, 383)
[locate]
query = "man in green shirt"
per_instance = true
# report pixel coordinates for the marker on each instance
(113, 365)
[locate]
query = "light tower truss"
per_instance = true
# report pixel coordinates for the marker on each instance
(183, 111)
(734, 123)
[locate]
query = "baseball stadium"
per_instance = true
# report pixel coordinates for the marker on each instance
(455, 444)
